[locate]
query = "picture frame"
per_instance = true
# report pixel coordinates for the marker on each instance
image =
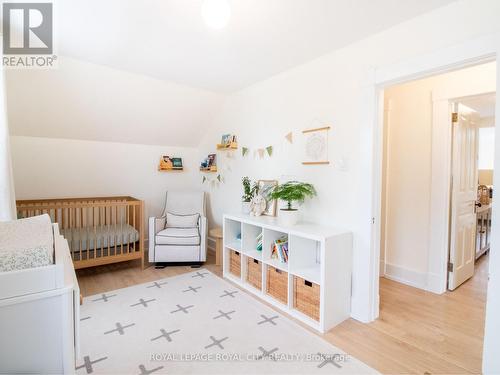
(265, 188)
(316, 146)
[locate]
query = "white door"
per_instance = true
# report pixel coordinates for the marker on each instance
(463, 200)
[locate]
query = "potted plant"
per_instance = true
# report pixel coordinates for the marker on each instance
(292, 191)
(248, 193)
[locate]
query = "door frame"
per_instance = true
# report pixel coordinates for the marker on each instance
(467, 54)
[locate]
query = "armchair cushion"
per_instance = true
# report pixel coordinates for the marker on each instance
(182, 221)
(178, 236)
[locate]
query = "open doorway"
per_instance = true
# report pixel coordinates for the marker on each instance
(419, 160)
(436, 130)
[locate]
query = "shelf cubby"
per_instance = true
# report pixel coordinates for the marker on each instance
(232, 239)
(249, 235)
(306, 260)
(268, 241)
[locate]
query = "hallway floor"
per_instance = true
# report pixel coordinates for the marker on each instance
(417, 331)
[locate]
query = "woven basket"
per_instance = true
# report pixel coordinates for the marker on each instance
(277, 284)
(235, 263)
(306, 297)
(254, 273)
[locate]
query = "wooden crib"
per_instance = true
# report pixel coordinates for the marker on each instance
(99, 230)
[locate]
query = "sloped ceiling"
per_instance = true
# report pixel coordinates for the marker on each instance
(168, 39)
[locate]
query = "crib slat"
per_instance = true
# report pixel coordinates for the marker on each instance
(133, 219)
(95, 232)
(127, 226)
(108, 226)
(81, 234)
(121, 232)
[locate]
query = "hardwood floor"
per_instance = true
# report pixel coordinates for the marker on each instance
(417, 331)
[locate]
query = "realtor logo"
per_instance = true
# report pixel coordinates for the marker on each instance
(27, 28)
(28, 36)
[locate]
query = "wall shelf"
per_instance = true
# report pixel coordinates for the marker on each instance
(171, 170)
(231, 146)
(319, 258)
(208, 170)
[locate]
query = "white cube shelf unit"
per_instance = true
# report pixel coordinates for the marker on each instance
(316, 280)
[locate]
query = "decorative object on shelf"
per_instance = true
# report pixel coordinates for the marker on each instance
(289, 137)
(265, 187)
(248, 193)
(177, 162)
(292, 191)
(258, 241)
(244, 151)
(170, 164)
(258, 205)
(209, 164)
(228, 142)
(316, 146)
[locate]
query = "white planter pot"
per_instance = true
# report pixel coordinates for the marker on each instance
(289, 217)
(246, 207)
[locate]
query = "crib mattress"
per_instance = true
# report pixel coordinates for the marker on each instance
(90, 238)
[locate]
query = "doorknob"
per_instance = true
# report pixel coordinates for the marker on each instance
(478, 204)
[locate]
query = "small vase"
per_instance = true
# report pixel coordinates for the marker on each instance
(245, 208)
(289, 217)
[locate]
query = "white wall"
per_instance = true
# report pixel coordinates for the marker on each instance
(80, 100)
(409, 172)
(486, 157)
(7, 199)
(59, 168)
(331, 89)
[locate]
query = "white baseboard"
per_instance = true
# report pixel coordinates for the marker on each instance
(421, 280)
(406, 276)
(435, 283)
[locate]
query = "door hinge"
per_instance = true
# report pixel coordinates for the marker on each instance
(454, 117)
(450, 267)
(373, 220)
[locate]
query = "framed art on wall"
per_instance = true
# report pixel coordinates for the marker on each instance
(316, 146)
(265, 188)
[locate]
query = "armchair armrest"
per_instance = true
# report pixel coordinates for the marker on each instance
(156, 224)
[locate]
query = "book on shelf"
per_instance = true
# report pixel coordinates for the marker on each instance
(280, 249)
(259, 242)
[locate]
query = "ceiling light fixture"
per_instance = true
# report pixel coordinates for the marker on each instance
(216, 13)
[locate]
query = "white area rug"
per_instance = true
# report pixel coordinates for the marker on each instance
(198, 323)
